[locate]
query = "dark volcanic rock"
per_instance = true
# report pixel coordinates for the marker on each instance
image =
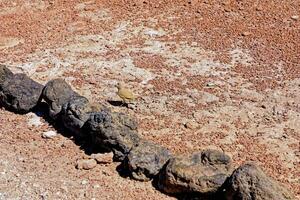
(248, 182)
(76, 112)
(56, 93)
(115, 132)
(202, 172)
(5, 74)
(18, 92)
(146, 160)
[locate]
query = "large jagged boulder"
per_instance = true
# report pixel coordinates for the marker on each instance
(113, 131)
(76, 112)
(146, 159)
(202, 172)
(18, 92)
(56, 93)
(249, 182)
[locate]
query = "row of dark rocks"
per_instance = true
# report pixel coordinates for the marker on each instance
(206, 174)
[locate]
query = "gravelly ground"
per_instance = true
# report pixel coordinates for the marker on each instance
(231, 69)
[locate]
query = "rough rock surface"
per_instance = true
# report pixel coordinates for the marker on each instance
(146, 160)
(250, 182)
(56, 93)
(18, 92)
(103, 158)
(76, 112)
(86, 164)
(203, 172)
(115, 132)
(4, 74)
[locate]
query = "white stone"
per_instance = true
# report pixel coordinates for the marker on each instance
(49, 134)
(34, 120)
(96, 186)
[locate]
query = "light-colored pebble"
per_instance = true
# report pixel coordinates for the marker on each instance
(295, 17)
(227, 9)
(103, 158)
(86, 164)
(191, 125)
(84, 182)
(246, 33)
(210, 84)
(34, 120)
(49, 134)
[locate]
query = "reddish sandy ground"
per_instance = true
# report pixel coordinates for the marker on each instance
(230, 70)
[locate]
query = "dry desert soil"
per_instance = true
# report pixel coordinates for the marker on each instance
(208, 74)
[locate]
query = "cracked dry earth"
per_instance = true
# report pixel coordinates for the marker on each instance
(207, 75)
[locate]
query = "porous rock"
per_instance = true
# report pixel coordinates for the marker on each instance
(113, 131)
(202, 172)
(56, 93)
(5, 73)
(146, 160)
(75, 113)
(249, 182)
(18, 92)
(86, 164)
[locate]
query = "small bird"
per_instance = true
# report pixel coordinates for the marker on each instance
(125, 94)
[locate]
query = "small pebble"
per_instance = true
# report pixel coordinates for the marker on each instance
(49, 134)
(96, 186)
(227, 10)
(210, 84)
(86, 164)
(84, 182)
(34, 120)
(103, 158)
(191, 125)
(106, 173)
(259, 8)
(295, 17)
(20, 159)
(246, 33)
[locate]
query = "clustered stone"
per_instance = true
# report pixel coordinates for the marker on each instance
(208, 173)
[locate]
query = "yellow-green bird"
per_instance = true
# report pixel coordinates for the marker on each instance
(125, 94)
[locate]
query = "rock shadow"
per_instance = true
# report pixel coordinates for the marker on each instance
(117, 103)
(85, 143)
(123, 171)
